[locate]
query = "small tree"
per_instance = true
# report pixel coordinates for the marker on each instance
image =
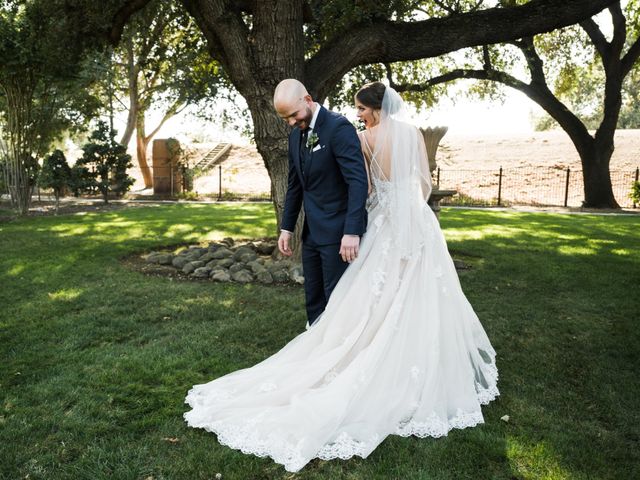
(55, 174)
(635, 192)
(104, 164)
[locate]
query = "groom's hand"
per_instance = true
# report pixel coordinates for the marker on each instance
(283, 243)
(349, 248)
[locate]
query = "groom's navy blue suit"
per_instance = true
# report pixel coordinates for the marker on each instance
(333, 187)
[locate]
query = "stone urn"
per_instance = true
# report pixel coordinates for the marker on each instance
(432, 137)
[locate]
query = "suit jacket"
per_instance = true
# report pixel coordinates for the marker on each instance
(333, 186)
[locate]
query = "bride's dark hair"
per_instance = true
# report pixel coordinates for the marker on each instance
(371, 95)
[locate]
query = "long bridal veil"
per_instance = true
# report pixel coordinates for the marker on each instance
(399, 160)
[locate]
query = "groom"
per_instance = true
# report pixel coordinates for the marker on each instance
(327, 172)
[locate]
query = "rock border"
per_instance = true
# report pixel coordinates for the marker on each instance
(230, 261)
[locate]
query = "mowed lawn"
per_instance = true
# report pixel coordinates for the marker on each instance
(95, 360)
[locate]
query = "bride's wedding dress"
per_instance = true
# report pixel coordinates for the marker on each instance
(398, 350)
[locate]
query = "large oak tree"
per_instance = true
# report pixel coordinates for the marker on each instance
(568, 55)
(261, 42)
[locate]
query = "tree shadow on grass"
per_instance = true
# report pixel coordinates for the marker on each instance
(99, 358)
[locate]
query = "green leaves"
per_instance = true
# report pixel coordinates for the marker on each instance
(104, 164)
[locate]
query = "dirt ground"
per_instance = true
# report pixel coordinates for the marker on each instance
(534, 168)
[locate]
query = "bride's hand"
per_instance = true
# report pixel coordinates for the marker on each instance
(349, 248)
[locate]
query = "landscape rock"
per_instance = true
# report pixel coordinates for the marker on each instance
(207, 257)
(202, 272)
(164, 259)
(460, 265)
(279, 276)
(180, 261)
(248, 257)
(264, 248)
(296, 274)
(241, 251)
(153, 257)
(191, 266)
(220, 276)
(264, 277)
(242, 276)
(225, 262)
(213, 246)
(196, 250)
(222, 252)
(236, 267)
(256, 267)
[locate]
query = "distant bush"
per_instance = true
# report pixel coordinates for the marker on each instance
(188, 195)
(635, 192)
(55, 174)
(103, 166)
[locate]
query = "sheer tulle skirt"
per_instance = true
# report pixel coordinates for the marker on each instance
(398, 350)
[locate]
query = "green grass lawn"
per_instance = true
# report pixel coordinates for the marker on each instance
(96, 360)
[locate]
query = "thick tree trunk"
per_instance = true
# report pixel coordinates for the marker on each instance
(271, 134)
(256, 61)
(19, 146)
(598, 190)
(141, 150)
(595, 156)
(133, 95)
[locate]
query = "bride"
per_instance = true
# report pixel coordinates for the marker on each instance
(398, 349)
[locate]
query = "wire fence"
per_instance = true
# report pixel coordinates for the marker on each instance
(539, 186)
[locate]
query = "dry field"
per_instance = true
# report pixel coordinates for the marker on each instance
(534, 168)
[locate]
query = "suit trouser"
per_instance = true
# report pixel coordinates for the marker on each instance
(323, 267)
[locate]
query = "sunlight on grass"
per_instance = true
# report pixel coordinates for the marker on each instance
(65, 295)
(536, 460)
(68, 230)
(621, 251)
(226, 303)
(576, 250)
(16, 270)
(478, 233)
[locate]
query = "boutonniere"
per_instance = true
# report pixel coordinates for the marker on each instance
(312, 140)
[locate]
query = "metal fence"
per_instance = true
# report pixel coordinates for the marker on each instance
(540, 186)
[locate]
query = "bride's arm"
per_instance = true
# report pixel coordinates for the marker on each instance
(366, 160)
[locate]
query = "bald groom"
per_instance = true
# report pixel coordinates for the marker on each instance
(327, 174)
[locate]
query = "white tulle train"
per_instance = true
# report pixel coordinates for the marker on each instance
(398, 350)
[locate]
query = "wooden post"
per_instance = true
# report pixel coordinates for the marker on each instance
(637, 179)
(219, 182)
(500, 187)
(566, 188)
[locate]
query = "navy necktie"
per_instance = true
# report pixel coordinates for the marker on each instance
(303, 148)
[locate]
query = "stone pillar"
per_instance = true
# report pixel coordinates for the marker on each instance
(167, 177)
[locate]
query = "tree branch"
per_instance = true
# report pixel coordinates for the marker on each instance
(486, 58)
(619, 29)
(539, 93)
(631, 57)
(386, 41)
(122, 16)
(597, 37)
(226, 34)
